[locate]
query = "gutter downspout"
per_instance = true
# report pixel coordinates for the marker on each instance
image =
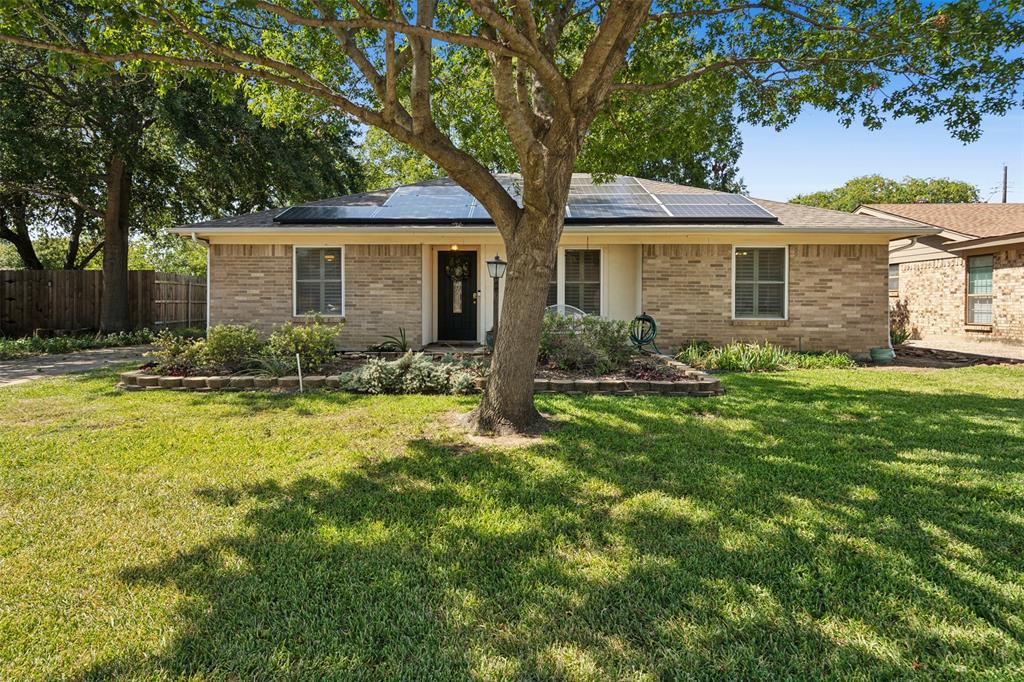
(888, 317)
(207, 243)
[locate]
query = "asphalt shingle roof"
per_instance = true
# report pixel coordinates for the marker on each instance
(977, 220)
(789, 215)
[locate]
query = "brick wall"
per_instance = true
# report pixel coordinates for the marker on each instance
(935, 292)
(837, 297)
(252, 284)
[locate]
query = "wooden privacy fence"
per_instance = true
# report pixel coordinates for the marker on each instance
(69, 300)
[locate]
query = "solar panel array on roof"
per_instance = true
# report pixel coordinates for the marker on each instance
(622, 199)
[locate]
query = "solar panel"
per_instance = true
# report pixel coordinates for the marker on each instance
(720, 199)
(326, 214)
(621, 198)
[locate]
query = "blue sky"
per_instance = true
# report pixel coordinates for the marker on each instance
(818, 153)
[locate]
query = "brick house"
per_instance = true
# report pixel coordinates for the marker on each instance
(967, 281)
(707, 265)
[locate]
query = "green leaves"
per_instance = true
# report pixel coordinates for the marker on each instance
(874, 189)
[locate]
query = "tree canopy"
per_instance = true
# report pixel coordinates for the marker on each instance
(193, 153)
(875, 189)
(551, 70)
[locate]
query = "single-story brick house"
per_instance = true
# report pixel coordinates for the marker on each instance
(966, 281)
(707, 265)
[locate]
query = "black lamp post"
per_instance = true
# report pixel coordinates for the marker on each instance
(496, 269)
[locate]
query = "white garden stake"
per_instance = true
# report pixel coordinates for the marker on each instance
(298, 365)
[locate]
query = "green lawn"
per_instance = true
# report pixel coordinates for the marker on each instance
(836, 524)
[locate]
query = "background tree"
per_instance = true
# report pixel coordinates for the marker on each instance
(874, 189)
(552, 67)
(691, 140)
(90, 157)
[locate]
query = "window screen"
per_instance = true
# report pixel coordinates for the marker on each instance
(894, 278)
(583, 280)
(318, 281)
(760, 282)
(979, 290)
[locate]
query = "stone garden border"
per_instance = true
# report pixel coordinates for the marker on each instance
(692, 383)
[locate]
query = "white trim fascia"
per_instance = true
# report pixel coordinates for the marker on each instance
(425, 287)
(624, 229)
(209, 248)
(344, 287)
(785, 286)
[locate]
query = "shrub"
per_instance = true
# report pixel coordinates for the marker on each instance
(899, 322)
(315, 343)
(411, 373)
(827, 360)
(38, 345)
(758, 357)
(268, 365)
(177, 354)
(231, 347)
(589, 344)
(392, 344)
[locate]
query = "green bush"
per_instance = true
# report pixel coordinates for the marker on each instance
(590, 344)
(758, 357)
(392, 344)
(38, 345)
(829, 360)
(315, 343)
(231, 347)
(177, 354)
(411, 373)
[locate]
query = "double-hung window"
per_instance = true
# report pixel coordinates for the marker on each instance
(581, 286)
(979, 290)
(759, 283)
(319, 281)
(894, 279)
(583, 280)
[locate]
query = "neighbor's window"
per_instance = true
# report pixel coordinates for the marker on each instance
(979, 290)
(759, 283)
(318, 281)
(583, 280)
(894, 279)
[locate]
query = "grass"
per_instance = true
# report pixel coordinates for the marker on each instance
(834, 524)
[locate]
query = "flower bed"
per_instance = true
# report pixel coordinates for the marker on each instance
(674, 378)
(576, 356)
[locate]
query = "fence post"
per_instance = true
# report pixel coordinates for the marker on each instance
(188, 304)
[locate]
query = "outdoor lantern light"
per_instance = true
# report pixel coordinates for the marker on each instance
(496, 269)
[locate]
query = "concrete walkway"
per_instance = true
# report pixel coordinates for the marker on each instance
(40, 366)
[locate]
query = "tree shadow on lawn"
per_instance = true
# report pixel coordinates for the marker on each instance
(786, 531)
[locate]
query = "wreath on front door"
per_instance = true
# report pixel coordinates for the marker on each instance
(457, 269)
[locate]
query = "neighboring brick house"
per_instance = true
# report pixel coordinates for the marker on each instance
(707, 265)
(967, 281)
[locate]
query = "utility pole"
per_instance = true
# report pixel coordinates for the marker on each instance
(1004, 183)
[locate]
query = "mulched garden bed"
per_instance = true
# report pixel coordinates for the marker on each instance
(646, 375)
(914, 356)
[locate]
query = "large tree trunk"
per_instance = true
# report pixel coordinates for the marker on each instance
(14, 229)
(507, 404)
(114, 314)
